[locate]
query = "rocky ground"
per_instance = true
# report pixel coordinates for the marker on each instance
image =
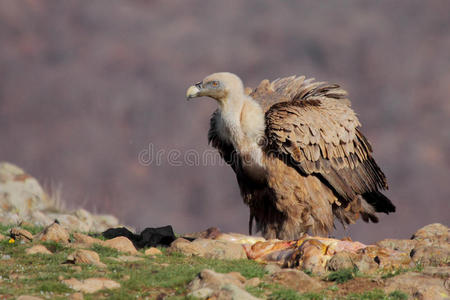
(48, 253)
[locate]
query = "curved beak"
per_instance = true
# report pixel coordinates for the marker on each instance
(194, 90)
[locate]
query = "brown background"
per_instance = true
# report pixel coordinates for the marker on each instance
(85, 86)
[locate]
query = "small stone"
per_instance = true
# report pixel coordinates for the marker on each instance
(20, 234)
(187, 248)
(218, 286)
(202, 293)
(178, 241)
(211, 279)
(77, 268)
(216, 249)
(152, 251)
(82, 256)
(91, 285)
(5, 257)
(296, 280)
(121, 243)
(221, 249)
(26, 297)
(231, 291)
(38, 249)
(85, 239)
(252, 282)
(272, 268)
(3, 237)
(54, 232)
(126, 277)
(76, 296)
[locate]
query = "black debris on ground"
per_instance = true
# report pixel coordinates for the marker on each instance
(149, 237)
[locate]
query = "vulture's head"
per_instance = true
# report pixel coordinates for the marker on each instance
(219, 86)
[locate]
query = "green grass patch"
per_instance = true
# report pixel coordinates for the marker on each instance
(398, 295)
(378, 294)
(4, 229)
(105, 251)
(54, 247)
(32, 229)
(342, 276)
(258, 290)
(284, 294)
(52, 286)
(288, 294)
(395, 272)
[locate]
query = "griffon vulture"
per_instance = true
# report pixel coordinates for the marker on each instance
(298, 154)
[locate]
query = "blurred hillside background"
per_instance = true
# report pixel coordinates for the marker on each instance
(85, 86)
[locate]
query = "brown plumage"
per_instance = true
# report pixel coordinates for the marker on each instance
(298, 154)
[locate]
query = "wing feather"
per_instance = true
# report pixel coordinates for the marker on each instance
(312, 125)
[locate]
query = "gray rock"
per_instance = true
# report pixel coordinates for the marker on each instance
(91, 285)
(82, 256)
(22, 198)
(27, 297)
(213, 280)
(104, 222)
(85, 217)
(442, 272)
(54, 232)
(418, 286)
(219, 286)
(20, 192)
(7, 217)
(202, 293)
(272, 268)
(85, 239)
(230, 291)
(210, 249)
(340, 261)
(434, 254)
(252, 282)
(71, 222)
(398, 245)
(433, 233)
(20, 234)
(296, 280)
(122, 244)
(38, 249)
(39, 218)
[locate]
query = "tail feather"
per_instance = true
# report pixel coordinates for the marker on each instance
(380, 202)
